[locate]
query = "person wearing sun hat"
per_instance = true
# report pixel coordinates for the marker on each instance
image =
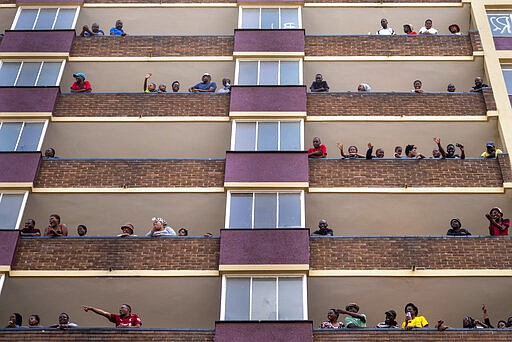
(498, 226)
(80, 85)
(206, 86)
(454, 29)
(127, 230)
(353, 319)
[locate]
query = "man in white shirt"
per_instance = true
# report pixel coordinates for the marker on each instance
(427, 29)
(385, 30)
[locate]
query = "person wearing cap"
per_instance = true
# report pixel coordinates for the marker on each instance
(353, 319)
(490, 151)
(479, 84)
(118, 29)
(498, 226)
(127, 230)
(456, 229)
(408, 29)
(323, 228)
(206, 86)
(390, 321)
(454, 29)
(160, 228)
(80, 85)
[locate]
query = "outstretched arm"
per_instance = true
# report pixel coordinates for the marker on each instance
(340, 147)
(437, 140)
(100, 312)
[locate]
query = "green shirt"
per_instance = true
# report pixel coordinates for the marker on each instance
(355, 321)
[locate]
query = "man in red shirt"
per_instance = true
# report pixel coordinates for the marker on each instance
(318, 150)
(125, 319)
(497, 224)
(80, 85)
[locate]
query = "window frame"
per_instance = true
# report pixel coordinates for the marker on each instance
(39, 8)
(22, 207)
(264, 276)
(234, 127)
(43, 131)
(240, 16)
(508, 69)
(22, 61)
(302, 206)
(259, 60)
(496, 13)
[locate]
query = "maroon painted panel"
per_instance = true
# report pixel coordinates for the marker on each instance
(37, 41)
(268, 99)
(266, 167)
(28, 99)
(49, 2)
(8, 243)
(269, 40)
(503, 43)
(264, 246)
(19, 166)
(254, 331)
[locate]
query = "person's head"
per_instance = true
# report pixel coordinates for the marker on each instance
(16, 318)
(127, 228)
(54, 220)
(352, 307)
(417, 84)
(502, 324)
(454, 28)
(162, 88)
(509, 322)
(333, 315)
(384, 23)
(478, 81)
(390, 317)
(455, 223)
(79, 77)
(436, 153)
(152, 87)
(119, 24)
(398, 150)
(63, 318)
(226, 82)
(319, 78)
(450, 88)
(468, 322)
(379, 153)
(206, 78)
(30, 224)
(496, 213)
(95, 27)
(352, 149)
(81, 230)
(407, 28)
(490, 147)
(33, 320)
(410, 151)
(428, 23)
(363, 87)
(322, 224)
(316, 142)
(450, 150)
(49, 153)
(413, 309)
(125, 310)
(158, 223)
(182, 232)
(175, 86)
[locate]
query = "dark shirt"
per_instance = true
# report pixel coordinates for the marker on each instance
(28, 231)
(320, 85)
(324, 232)
(478, 89)
(458, 232)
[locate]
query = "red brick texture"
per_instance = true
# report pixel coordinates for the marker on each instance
(490, 103)
(141, 105)
(398, 253)
(506, 171)
(329, 173)
(117, 253)
(476, 42)
(398, 45)
(152, 46)
(169, 173)
(423, 335)
(396, 104)
(121, 335)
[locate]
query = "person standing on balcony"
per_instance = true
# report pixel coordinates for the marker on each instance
(498, 226)
(56, 228)
(385, 30)
(490, 151)
(80, 85)
(30, 229)
(125, 319)
(318, 150)
(118, 29)
(206, 85)
(456, 228)
(479, 84)
(412, 320)
(354, 319)
(323, 228)
(160, 228)
(319, 85)
(428, 29)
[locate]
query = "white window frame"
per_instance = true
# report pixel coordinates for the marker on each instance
(302, 206)
(234, 124)
(62, 65)
(299, 14)
(259, 60)
(43, 131)
(18, 13)
(273, 276)
(508, 69)
(23, 202)
(2, 278)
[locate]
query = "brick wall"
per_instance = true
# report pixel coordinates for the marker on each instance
(424, 335)
(117, 253)
(398, 104)
(386, 253)
(82, 334)
(121, 105)
(399, 45)
(130, 173)
(506, 171)
(476, 42)
(490, 103)
(152, 46)
(329, 173)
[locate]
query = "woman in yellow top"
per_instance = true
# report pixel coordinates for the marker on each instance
(412, 320)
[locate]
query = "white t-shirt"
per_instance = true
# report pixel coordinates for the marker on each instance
(424, 30)
(386, 31)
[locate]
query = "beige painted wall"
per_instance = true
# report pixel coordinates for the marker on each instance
(449, 299)
(181, 140)
(6, 18)
(118, 77)
(353, 21)
(387, 135)
(160, 302)
(103, 214)
(403, 214)
(396, 76)
(205, 21)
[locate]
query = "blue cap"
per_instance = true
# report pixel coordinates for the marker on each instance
(490, 144)
(78, 75)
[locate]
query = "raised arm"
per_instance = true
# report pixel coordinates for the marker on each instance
(340, 147)
(97, 311)
(437, 140)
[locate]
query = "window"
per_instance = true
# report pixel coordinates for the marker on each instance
(263, 72)
(507, 75)
(269, 18)
(264, 298)
(267, 136)
(265, 210)
(30, 74)
(21, 136)
(500, 23)
(45, 18)
(11, 209)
